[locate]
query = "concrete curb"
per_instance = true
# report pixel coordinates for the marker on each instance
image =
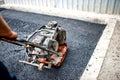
(93, 67)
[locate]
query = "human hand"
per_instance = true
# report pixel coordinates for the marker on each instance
(6, 31)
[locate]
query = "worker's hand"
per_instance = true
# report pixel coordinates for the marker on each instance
(10, 35)
(6, 31)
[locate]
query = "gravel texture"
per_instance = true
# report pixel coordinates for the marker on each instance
(82, 38)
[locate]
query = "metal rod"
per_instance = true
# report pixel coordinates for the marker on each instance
(24, 43)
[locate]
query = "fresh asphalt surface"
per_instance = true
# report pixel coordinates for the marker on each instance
(82, 38)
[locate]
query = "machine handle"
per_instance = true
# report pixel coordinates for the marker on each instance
(24, 43)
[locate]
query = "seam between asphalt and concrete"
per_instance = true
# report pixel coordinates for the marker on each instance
(94, 65)
(110, 69)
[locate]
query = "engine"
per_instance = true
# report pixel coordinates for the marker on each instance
(52, 37)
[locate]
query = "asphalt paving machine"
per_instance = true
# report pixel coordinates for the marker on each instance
(46, 47)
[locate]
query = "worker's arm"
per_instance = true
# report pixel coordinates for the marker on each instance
(6, 31)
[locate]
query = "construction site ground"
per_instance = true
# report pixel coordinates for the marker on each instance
(82, 38)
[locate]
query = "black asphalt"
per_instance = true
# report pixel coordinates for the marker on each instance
(82, 38)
